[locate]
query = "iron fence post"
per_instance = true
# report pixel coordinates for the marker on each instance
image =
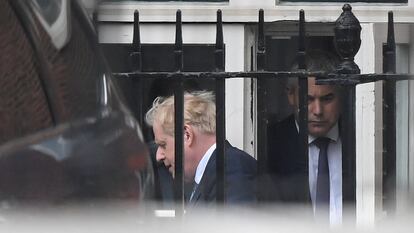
(220, 113)
(389, 121)
(261, 110)
(303, 90)
(347, 42)
(135, 64)
(179, 121)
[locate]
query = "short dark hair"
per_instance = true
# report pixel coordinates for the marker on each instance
(316, 60)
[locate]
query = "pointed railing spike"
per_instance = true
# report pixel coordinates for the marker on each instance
(261, 47)
(135, 56)
(178, 49)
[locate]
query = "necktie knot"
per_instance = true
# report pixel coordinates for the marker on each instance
(322, 142)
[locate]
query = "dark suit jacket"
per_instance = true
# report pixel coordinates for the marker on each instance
(240, 178)
(288, 168)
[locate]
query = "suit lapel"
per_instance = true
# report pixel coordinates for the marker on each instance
(300, 164)
(207, 187)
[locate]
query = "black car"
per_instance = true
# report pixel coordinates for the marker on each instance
(65, 133)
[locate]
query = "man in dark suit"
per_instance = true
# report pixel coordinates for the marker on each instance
(199, 150)
(314, 179)
(240, 178)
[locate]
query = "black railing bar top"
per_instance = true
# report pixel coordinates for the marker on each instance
(219, 75)
(352, 79)
(322, 77)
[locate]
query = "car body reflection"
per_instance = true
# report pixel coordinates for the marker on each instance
(66, 135)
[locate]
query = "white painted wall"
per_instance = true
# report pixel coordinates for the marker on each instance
(411, 115)
(235, 105)
(402, 128)
(369, 123)
(247, 11)
(250, 93)
(365, 132)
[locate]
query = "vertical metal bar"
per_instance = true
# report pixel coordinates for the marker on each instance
(219, 51)
(135, 56)
(347, 42)
(179, 122)
(390, 54)
(348, 132)
(389, 122)
(220, 113)
(303, 90)
(178, 49)
(135, 63)
(262, 114)
(261, 48)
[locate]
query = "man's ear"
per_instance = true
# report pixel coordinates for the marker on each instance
(188, 134)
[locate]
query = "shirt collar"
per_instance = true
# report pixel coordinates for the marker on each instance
(203, 164)
(332, 134)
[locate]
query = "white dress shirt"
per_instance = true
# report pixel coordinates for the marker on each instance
(201, 167)
(335, 173)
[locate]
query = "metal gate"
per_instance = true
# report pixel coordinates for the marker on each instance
(347, 41)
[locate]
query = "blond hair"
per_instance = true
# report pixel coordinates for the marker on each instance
(199, 111)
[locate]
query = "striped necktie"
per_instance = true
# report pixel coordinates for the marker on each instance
(195, 185)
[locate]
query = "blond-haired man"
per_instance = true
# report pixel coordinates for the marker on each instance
(199, 149)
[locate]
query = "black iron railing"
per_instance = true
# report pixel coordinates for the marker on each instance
(347, 41)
